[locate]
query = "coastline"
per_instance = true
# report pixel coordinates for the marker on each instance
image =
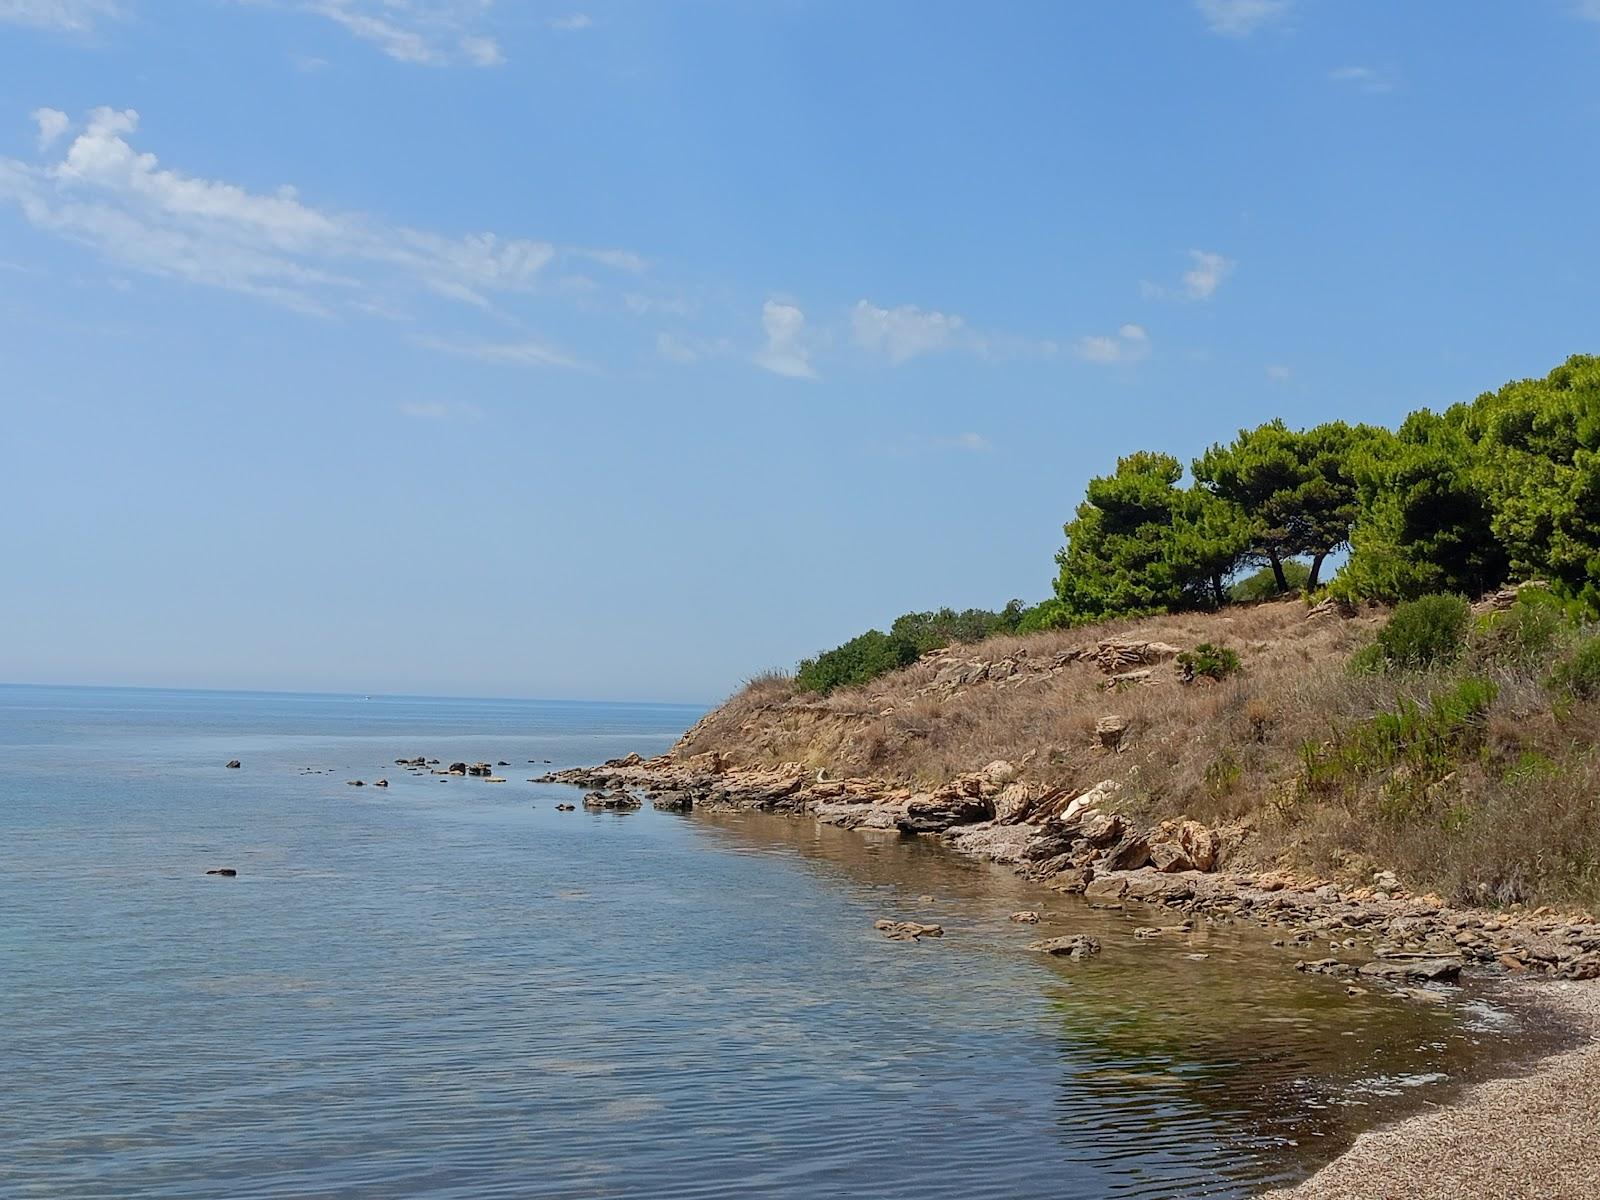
(1524, 1137)
(1527, 1135)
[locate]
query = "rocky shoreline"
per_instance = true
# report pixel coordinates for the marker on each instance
(1079, 843)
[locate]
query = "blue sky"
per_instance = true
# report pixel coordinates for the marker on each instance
(625, 349)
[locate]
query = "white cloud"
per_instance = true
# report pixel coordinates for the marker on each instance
(676, 350)
(430, 32)
(975, 442)
(1130, 344)
(1207, 270)
(439, 410)
(1201, 280)
(785, 352)
(52, 124)
(905, 332)
(1278, 373)
(1241, 18)
(526, 353)
(104, 193)
(60, 16)
(571, 23)
(1365, 79)
(1587, 10)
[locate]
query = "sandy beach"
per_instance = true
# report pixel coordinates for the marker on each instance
(1530, 1137)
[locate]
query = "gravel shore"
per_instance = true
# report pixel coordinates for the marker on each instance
(1533, 1137)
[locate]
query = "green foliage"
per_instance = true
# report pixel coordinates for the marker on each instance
(1416, 745)
(1424, 632)
(1296, 489)
(1140, 544)
(1048, 614)
(874, 653)
(1211, 662)
(1579, 676)
(859, 660)
(1263, 584)
(1527, 632)
(1223, 774)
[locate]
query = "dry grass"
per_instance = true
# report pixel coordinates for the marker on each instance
(1517, 819)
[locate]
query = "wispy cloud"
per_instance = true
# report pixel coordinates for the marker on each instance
(785, 351)
(1278, 373)
(571, 23)
(428, 32)
(1241, 18)
(1587, 10)
(524, 353)
(101, 191)
(905, 332)
(60, 16)
(1130, 344)
(1373, 80)
(1207, 270)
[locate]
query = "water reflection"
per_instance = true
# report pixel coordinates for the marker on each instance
(1200, 1055)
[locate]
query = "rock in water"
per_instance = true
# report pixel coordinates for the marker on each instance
(1077, 947)
(233, 764)
(906, 931)
(1027, 917)
(227, 872)
(1432, 970)
(381, 783)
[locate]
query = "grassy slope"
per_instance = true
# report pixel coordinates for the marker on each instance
(1510, 814)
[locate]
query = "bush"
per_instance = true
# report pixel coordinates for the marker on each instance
(1212, 662)
(861, 659)
(1263, 585)
(1527, 632)
(1418, 745)
(1425, 632)
(1048, 614)
(1579, 676)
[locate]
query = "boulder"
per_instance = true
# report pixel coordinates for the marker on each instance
(939, 810)
(1077, 947)
(616, 800)
(457, 768)
(1131, 853)
(1098, 796)
(482, 770)
(1100, 829)
(999, 773)
(1027, 917)
(355, 783)
(991, 840)
(673, 802)
(1184, 846)
(381, 783)
(1111, 730)
(1412, 970)
(627, 760)
(1017, 801)
(1105, 887)
(566, 808)
(225, 872)
(233, 764)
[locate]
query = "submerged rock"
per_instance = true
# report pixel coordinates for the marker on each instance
(1078, 946)
(673, 802)
(906, 931)
(612, 801)
(226, 872)
(1027, 917)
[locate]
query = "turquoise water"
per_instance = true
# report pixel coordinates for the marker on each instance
(450, 989)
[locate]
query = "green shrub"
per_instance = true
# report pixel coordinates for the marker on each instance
(1425, 632)
(1368, 660)
(1212, 662)
(1579, 676)
(1417, 745)
(1530, 630)
(859, 660)
(1048, 614)
(1263, 584)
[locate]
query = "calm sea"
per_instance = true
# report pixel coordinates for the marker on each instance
(450, 989)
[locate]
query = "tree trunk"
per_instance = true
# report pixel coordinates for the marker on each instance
(1216, 588)
(1277, 572)
(1316, 570)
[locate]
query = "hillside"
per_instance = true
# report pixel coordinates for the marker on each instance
(1474, 777)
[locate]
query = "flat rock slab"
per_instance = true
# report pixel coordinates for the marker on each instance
(907, 931)
(1433, 970)
(1077, 947)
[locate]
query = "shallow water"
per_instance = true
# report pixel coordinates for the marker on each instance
(449, 989)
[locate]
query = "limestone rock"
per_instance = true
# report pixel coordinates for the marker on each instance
(1027, 917)
(1411, 970)
(1077, 947)
(1110, 730)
